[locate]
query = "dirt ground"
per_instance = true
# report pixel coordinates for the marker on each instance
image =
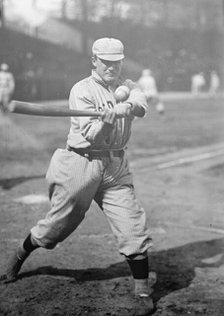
(85, 275)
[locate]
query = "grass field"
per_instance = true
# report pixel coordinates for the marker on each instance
(184, 204)
(187, 124)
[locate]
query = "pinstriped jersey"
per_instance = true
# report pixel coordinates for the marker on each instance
(92, 94)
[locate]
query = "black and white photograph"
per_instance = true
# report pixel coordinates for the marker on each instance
(111, 157)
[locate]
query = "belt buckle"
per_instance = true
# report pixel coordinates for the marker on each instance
(88, 156)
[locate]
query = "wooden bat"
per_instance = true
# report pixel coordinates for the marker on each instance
(46, 110)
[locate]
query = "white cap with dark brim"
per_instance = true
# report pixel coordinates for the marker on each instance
(108, 49)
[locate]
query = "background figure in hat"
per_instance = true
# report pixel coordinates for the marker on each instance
(147, 84)
(94, 166)
(7, 86)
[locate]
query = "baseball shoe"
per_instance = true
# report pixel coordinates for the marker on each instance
(143, 291)
(14, 265)
(143, 305)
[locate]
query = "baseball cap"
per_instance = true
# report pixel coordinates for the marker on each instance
(108, 49)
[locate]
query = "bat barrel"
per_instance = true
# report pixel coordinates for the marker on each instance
(46, 110)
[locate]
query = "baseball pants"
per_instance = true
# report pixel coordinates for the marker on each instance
(74, 181)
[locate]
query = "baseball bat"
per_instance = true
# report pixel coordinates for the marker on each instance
(29, 108)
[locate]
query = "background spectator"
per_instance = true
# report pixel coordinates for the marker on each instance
(197, 83)
(214, 83)
(7, 86)
(147, 84)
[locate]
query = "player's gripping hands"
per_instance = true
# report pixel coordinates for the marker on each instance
(123, 109)
(108, 116)
(120, 110)
(128, 108)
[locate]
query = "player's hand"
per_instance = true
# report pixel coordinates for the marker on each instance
(123, 109)
(108, 116)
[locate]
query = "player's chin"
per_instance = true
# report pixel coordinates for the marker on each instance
(111, 78)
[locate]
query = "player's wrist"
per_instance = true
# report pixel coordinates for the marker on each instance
(131, 106)
(136, 109)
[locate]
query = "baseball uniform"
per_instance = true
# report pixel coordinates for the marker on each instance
(94, 166)
(107, 178)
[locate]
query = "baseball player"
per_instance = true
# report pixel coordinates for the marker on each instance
(214, 83)
(147, 84)
(7, 86)
(94, 166)
(197, 83)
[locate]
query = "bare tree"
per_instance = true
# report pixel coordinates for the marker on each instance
(84, 26)
(223, 10)
(2, 20)
(64, 9)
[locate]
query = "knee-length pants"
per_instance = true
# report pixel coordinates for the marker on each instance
(74, 182)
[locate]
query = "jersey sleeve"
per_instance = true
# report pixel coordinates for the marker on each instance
(137, 97)
(93, 129)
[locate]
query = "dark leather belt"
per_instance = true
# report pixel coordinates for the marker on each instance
(96, 154)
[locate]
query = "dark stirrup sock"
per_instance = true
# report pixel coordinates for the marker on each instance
(18, 257)
(139, 268)
(28, 245)
(140, 272)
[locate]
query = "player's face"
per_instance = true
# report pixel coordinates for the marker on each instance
(109, 71)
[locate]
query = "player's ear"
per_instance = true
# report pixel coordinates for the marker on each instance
(94, 59)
